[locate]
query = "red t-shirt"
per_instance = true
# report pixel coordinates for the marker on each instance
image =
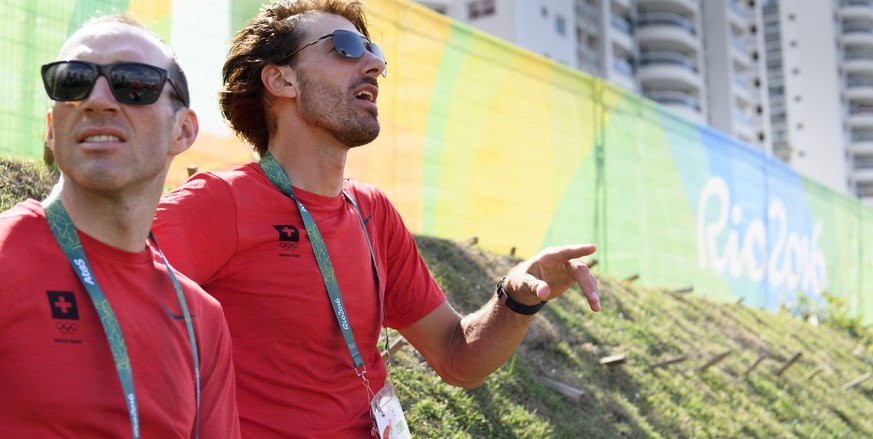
(57, 375)
(244, 242)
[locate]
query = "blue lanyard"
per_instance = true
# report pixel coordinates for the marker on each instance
(278, 178)
(65, 234)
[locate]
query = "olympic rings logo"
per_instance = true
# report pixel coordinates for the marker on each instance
(288, 245)
(67, 328)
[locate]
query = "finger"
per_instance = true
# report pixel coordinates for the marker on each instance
(593, 300)
(541, 289)
(527, 287)
(588, 283)
(574, 251)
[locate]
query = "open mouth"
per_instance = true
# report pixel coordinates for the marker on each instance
(366, 95)
(101, 138)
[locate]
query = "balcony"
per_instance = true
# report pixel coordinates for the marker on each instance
(856, 9)
(623, 74)
(587, 11)
(667, 28)
(738, 16)
(861, 147)
(858, 61)
(679, 102)
(857, 34)
(862, 142)
(862, 163)
(672, 70)
(674, 98)
(623, 66)
(668, 19)
(859, 88)
(624, 4)
(740, 52)
(622, 32)
(688, 6)
(742, 90)
(744, 126)
(861, 116)
(588, 59)
(862, 175)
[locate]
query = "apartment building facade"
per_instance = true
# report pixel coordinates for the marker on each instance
(793, 78)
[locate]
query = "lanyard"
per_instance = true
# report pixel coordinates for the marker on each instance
(65, 234)
(280, 180)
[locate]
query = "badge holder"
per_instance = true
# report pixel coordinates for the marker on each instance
(388, 415)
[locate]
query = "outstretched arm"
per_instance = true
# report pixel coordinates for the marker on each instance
(465, 350)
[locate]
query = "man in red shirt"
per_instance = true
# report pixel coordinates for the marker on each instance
(99, 337)
(309, 265)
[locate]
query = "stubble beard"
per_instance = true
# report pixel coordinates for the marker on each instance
(331, 109)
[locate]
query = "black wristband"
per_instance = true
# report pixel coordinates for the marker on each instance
(504, 298)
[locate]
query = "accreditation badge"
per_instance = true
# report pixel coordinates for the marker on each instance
(388, 414)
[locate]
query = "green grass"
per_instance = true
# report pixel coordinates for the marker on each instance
(22, 179)
(648, 325)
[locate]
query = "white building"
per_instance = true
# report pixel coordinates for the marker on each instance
(792, 77)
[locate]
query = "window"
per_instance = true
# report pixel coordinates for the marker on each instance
(480, 8)
(560, 25)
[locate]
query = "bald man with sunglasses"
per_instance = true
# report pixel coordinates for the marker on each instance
(309, 265)
(99, 336)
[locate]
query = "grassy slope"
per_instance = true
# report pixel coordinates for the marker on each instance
(22, 179)
(566, 342)
(630, 400)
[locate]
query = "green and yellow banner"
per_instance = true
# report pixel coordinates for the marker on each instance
(482, 138)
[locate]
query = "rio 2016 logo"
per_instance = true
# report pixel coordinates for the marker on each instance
(792, 261)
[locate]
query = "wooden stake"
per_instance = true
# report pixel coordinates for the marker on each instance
(788, 364)
(857, 381)
(715, 360)
(815, 372)
(568, 391)
(631, 278)
(613, 360)
(669, 361)
(755, 364)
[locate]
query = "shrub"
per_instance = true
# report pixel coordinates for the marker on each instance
(23, 178)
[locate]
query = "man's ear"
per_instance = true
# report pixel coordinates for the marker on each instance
(48, 153)
(279, 81)
(49, 131)
(184, 132)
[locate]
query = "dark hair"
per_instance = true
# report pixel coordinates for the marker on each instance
(269, 38)
(173, 67)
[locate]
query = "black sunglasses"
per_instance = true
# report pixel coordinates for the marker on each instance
(131, 82)
(349, 45)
